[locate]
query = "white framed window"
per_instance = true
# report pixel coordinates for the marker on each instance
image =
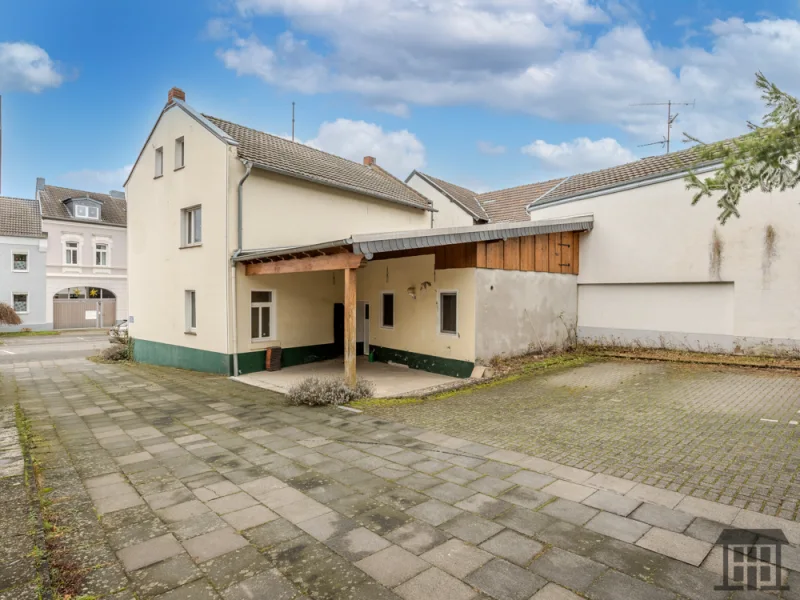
(448, 313)
(159, 162)
(192, 226)
(179, 156)
(19, 300)
(387, 310)
(19, 261)
(101, 255)
(262, 315)
(190, 298)
(86, 211)
(71, 253)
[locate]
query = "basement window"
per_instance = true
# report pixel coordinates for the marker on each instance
(448, 313)
(387, 310)
(262, 314)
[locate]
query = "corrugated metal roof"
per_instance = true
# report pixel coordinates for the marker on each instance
(373, 243)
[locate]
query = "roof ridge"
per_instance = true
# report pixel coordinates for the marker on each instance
(272, 135)
(72, 189)
(518, 187)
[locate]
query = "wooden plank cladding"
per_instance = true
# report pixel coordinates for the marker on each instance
(550, 253)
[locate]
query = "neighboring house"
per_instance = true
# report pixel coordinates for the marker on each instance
(658, 271)
(87, 276)
(458, 206)
(22, 262)
(241, 241)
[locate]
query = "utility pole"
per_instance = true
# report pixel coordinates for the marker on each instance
(666, 140)
(292, 121)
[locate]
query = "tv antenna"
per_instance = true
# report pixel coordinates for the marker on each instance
(292, 121)
(666, 140)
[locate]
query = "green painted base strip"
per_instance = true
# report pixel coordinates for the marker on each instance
(252, 362)
(169, 355)
(425, 362)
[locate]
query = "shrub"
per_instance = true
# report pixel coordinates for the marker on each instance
(115, 352)
(322, 392)
(8, 316)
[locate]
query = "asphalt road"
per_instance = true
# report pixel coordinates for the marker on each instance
(52, 347)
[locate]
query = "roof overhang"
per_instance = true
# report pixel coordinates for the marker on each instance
(375, 243)
(630, 184)
(447, 195)
(338, 186)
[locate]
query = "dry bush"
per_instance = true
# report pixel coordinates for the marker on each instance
(115, 352)
(8, 316)
(329, 392)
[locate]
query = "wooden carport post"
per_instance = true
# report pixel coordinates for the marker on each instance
(350, 327)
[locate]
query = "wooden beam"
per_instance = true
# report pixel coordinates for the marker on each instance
(350, 327)
(329, 262)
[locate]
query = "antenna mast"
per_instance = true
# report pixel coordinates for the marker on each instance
(292, 121)
(1, 143)
(666, 141)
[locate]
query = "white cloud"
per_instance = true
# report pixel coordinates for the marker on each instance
(527, 56)
(397, 109)
(27, 68)
(399, 152)
(580, 155)
(94, 180)
(490, 148)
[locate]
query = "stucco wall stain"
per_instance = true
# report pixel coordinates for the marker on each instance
(716, 249)
(770, 253)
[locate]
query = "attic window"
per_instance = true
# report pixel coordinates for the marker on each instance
(85, 210)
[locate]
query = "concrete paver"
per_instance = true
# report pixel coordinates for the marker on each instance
(226, 489)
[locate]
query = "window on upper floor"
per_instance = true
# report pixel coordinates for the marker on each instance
(101, 255)
(192, 226)
(85, 210)
(20, 302)
(71, 253)
(179, 147)
(159, 162)
(19, 262)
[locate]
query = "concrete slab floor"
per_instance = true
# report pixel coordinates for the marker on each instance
(390, 380)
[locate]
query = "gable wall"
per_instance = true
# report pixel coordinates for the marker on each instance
(449, 213)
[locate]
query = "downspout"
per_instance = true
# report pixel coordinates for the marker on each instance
(240, 194)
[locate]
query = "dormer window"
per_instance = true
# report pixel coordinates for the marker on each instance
(84, 208)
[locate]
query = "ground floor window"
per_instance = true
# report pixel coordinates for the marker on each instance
(448, 312)
(261, 315)
(20, 301)
(191, 311)
(387, 309)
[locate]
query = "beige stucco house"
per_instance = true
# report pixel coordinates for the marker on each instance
(240, 241)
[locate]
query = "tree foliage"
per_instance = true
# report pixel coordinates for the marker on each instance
(766, 159)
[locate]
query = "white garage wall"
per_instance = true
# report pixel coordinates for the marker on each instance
(699, 316)
(653, 235)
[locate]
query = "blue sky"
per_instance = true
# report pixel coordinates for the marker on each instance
(488, 94)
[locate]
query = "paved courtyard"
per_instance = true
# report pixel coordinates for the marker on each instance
(729, 435)
(174, 485)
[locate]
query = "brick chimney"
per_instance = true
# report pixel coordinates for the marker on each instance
(369, 161)
(176, 94)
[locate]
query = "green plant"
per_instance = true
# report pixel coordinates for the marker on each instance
(328, 392)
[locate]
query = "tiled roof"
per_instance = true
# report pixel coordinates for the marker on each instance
(461, 195)
(298, 160)
(20, 217)
(505, 206)
(114, 211)
(651, 166)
